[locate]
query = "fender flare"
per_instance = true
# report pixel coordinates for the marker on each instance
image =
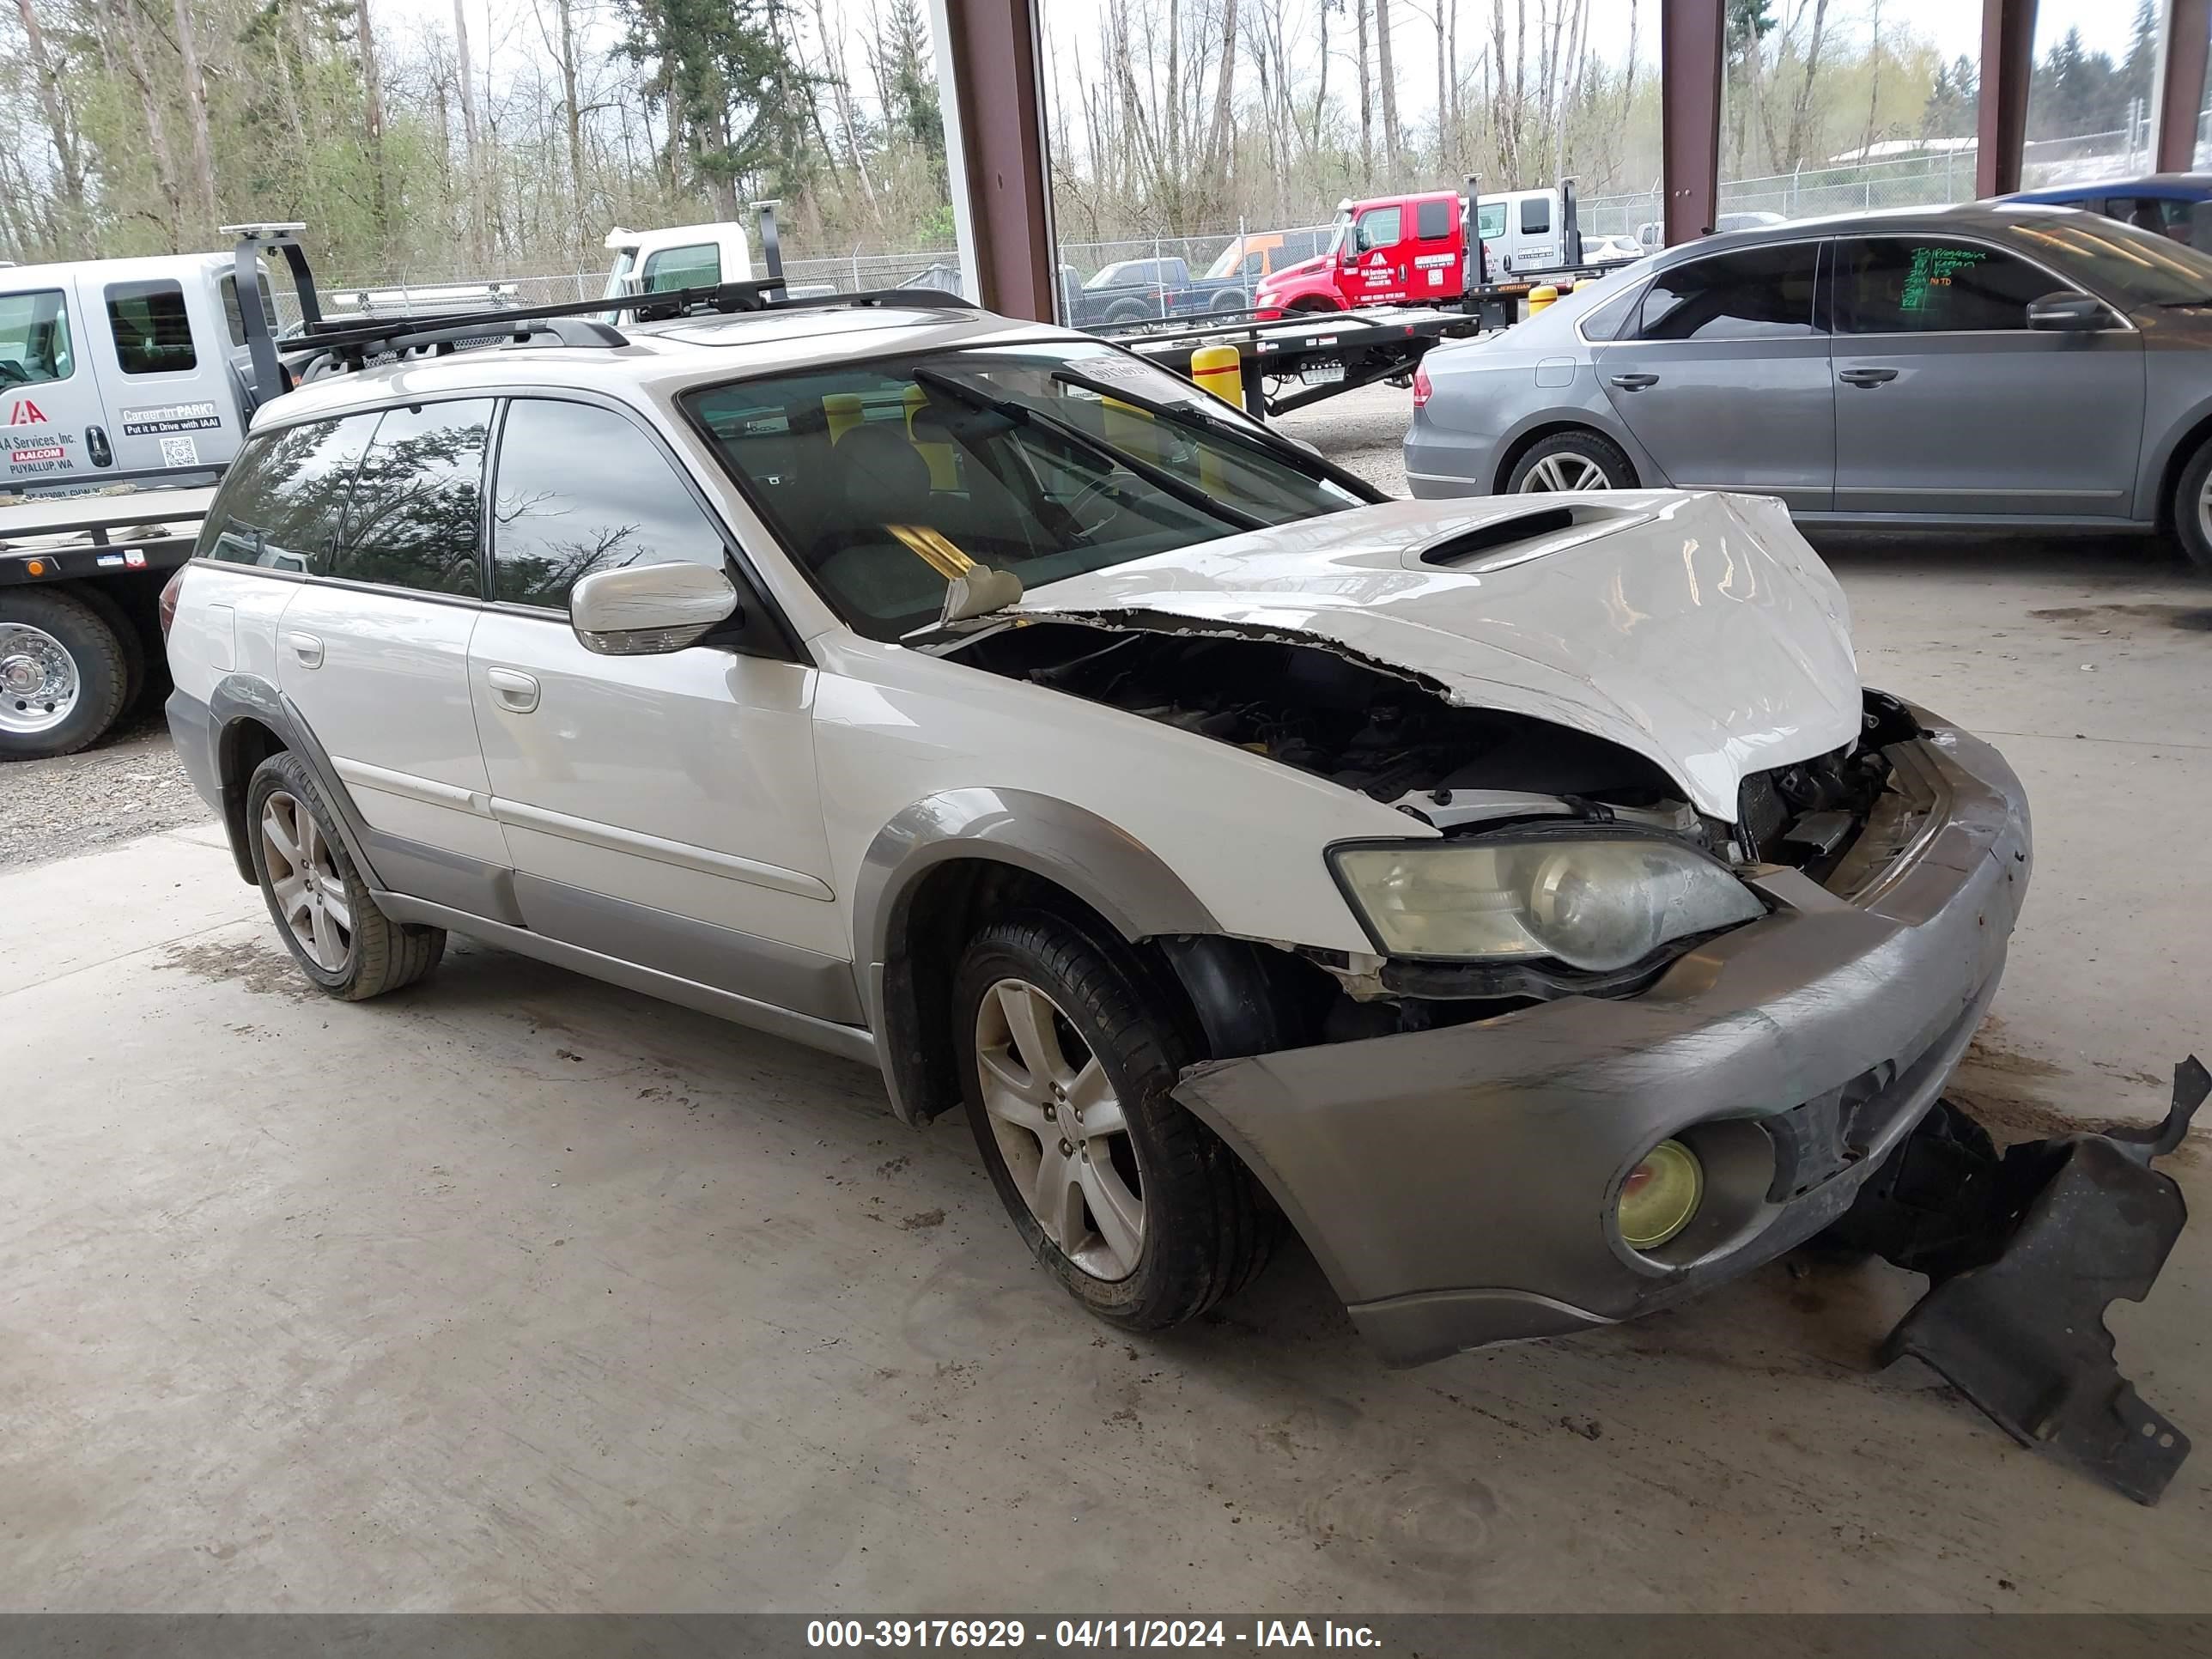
(1100, 864)
(238, 698)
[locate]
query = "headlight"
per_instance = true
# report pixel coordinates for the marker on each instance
(1595, 904)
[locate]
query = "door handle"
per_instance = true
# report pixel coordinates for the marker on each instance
(516, 692)
(307, 647)
(1867, 376)
(1635, 382)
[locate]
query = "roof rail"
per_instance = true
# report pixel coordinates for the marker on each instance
(350, 343)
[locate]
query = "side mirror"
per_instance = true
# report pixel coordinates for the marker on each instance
(2066, 313)
(649, 610)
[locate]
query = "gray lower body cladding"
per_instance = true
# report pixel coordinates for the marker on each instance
(1461, 1186)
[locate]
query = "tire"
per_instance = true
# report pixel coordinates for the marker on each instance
(1129, 311)
(1571, 460)
(128, 636)
(64, 674)
(1229, 300)
(349, 948)
(2192, 508)
(1202, 1227)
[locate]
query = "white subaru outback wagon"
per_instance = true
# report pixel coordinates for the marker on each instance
(1521, 899)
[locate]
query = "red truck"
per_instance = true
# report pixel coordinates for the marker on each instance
(1412, 249)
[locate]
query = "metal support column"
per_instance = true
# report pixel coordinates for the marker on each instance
(2185, 30)
(1690, 40)
(995, 152)
(2001, 123)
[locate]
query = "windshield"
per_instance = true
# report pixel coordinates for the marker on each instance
(2139, 265)
(1225, 265)
(1339, 228)
(885, 480)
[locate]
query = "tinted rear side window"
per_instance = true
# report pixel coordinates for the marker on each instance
(1604, 323)
(1756, 293)
(417, 506)
(153, 334)
(285, 497)
(1536, 216)
(582, 489)
(1432, 220)
(1893, 285)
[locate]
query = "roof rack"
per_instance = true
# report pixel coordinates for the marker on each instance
(351, 342)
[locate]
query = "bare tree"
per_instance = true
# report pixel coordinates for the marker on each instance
(372, 111)
(196, 112)
(56, 112)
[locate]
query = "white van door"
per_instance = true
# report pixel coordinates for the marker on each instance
(56, 427)
(161, 350)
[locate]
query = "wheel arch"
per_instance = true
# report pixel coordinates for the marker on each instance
(1552, 425)
(252, 720)
(2168, 467)
(948, 860)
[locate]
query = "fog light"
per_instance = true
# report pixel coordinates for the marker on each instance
(1660, 1195)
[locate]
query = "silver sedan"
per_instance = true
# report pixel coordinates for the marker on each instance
(1996, 366)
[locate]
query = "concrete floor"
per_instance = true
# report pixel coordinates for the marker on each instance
(516, 1291)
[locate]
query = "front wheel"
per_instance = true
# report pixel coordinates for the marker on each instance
(1571, 460)
(322, 908)
(1067, 1057)
(2192, 508)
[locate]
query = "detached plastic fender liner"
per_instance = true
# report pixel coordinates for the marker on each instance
(2066, 1226)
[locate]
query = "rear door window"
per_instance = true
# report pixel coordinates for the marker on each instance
(285, 498)
(1912, 285)
(417, 512)
(234, 319)
(34, 339)
(153, 332)
(1755, 294)
(580, 490)
(1432, 220)
(1536, 216)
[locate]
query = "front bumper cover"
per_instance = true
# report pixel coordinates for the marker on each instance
(1458, 1185)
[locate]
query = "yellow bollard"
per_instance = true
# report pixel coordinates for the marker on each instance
(1219, 370)
(1542, 295)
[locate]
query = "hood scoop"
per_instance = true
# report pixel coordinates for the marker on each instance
(1498, 543)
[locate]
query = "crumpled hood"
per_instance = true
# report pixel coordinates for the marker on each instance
(1696, 630)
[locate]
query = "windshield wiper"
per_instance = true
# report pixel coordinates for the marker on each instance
(1204, 420)
(1098, 449)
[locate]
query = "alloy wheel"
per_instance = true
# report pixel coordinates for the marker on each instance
(2204, 510)
(303, 873)
(1565, 471)
(1061, 1128)
(38, 680)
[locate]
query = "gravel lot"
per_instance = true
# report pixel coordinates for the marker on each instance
(128, 784)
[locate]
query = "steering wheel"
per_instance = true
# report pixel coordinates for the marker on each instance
(13, 372)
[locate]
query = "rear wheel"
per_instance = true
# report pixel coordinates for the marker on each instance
(2192, 508)
(322, 908)
(64, 674)
(1571, 460)
(1067, 1056)
(1128, 311)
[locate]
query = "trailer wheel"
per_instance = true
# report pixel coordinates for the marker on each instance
(127, 635)
(63, 674)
